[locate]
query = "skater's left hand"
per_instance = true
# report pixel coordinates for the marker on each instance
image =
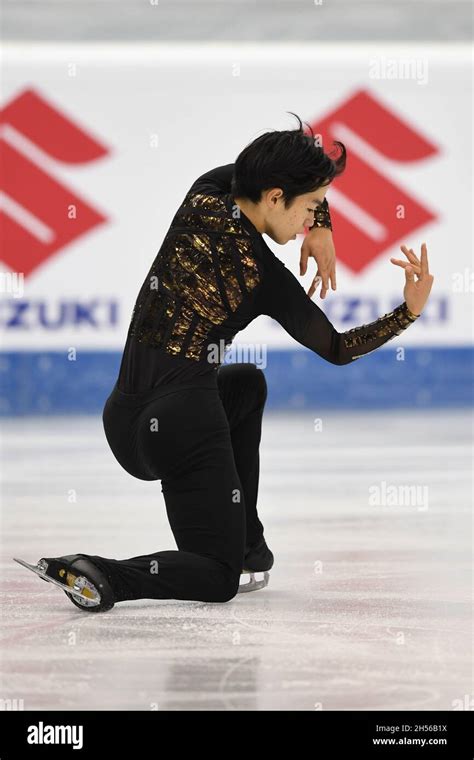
(416, 292)
(319, 245)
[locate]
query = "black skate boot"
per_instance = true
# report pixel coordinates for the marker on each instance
(86, 586)
(258, 559)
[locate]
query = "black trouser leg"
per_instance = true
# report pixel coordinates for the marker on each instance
(182, 438)
(243, 390)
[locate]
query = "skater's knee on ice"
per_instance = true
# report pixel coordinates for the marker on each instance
(227, 589)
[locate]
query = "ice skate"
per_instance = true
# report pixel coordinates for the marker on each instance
(258, 559)
(83, 582)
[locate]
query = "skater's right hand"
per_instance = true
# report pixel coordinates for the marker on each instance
(318, 244)
(415, 293)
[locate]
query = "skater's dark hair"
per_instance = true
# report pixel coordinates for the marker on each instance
(288, 159)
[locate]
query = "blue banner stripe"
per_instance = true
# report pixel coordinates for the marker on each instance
(47, 382)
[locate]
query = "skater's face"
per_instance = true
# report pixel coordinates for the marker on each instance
(279, 223)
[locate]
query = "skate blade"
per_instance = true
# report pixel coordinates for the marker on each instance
(252, 584)
(69, 589)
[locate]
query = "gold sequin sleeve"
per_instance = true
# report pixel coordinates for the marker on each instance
(284, 299)
(369, 337)
(322, 217)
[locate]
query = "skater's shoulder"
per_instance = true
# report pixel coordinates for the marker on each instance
(215, 182)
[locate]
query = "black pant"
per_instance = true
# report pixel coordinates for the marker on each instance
(203, 444)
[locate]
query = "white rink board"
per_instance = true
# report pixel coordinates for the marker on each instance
(202, 106)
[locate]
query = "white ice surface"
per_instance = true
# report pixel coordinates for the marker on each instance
(368, 607)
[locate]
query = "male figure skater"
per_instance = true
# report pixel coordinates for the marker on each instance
(176, 414)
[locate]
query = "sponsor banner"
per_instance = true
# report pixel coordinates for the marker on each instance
(100, 143)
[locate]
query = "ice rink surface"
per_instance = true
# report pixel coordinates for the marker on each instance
(369, 605)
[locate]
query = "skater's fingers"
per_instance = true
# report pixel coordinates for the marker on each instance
(409, 253)
(424, 260)
(314, 285)
(304, 259)
(406, 264)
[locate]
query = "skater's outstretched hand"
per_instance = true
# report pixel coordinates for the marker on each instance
(319, 245)
(416, 292)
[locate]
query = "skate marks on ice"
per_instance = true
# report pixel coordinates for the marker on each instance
(368, 607)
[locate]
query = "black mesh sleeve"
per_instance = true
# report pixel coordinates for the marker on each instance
(284, 299)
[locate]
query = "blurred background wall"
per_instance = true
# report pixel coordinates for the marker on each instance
(110, 110)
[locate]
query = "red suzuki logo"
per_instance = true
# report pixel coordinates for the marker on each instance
(370, 212)
(38, 214)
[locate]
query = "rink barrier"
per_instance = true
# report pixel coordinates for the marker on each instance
(45, 382)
